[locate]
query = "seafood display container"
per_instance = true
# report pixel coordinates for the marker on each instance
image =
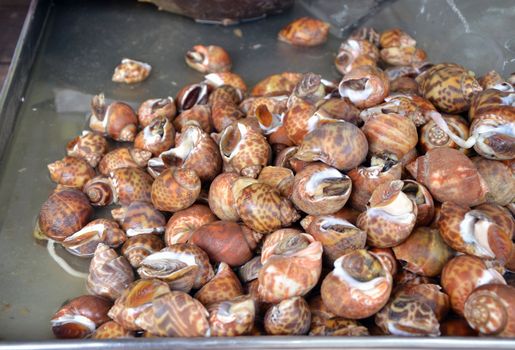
(66, 54)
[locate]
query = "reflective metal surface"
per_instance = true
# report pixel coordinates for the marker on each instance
(83, 42)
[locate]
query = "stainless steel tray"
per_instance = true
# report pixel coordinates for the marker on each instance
(67, 53)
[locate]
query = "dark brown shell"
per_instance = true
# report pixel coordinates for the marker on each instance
(64, 213)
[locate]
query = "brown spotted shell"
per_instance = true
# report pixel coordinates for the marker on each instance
(196, 151)
(123, 158)
(474, 232)
(276, 84)
(262, 208)
(134, 300)
(183, 266)
(319, 189)
(79, 317)
(299, 120)
(365, 86)
(131, 185)
(233, 317)
(64, 213)
(450, 87)
(221, 197)
(464, 273)
(388, 258)
(499, 179)
(112, 330)
(289, 317)
(403, 56)
(337, 235)
(200, 114)
(490, 308)
(156, 137)
(154, 108)
(390, 216)
(109, 273)
(341, 145)
(116, 120)
(500, 215)
(226, 241)
(223, 286)
(138, 247)
(244, 150)
(305, 31)
(215, 80)
(175, 189)
(131, 71)
(89, 146)
(71, 172)
(85, 241)
(280, 178)
(450, 176)
(140, 218)
(175, 314)
(365, 179)
(424, 252)
(292, 272)
(395, 37)
(183, 223)
(358, 287)
(208, 59)
(390, 135)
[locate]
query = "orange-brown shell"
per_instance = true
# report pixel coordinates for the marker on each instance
(449, 87)
(66, 322)
(89, 146)
(499, 178)
(355, 52)
(183, 223)
(200, 114)
(450, 176)
(424, 252)
(289, 317)
(123, 158)
(223, 286)
(64, 213)
(432, 136)
(297, 120)
(112, 330)
(109, 273)
(157, 136)
(131, 71)
(305, 31)
(395, 37)
(365, 86)
(175, 189)
(226, 241)
(244, 150)
(208, 59)
(71, 172)
(226, 78)
(136, 298)
(276, 84)
(154, 108)
(175, 314)
(224, 114)
(263, 209)
(116, 120)
(358, 287)
(474, 232)
(490, 309)
(500, 215)
(137, 248)
(403, 56)
(319, 189)
(464, 273)
(341, 145)
(390, 216)
(366, 179)
(131, 185)
(390, 135)
(292, 273)
(233, 317)
(279, 178)
(221, 199)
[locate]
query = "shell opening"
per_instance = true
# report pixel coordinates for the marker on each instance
(291, 245)
(335, 224)
(474, 230)
(84, 235)
(81, 320)
(61, 262)
(356, 89)
(189, 139)
(442, 124)
(231, 140)
(362, 273)
(195, 57)
(399, 205)
(195, 95)
(268, 122)
(327, 183)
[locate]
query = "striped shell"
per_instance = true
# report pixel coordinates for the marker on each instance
(223, 286)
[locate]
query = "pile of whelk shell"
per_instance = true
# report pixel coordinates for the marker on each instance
(327, 210)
